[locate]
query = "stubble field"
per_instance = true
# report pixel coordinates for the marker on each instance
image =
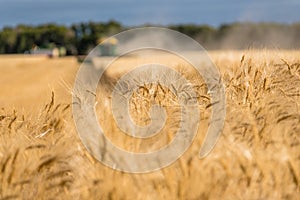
(256, 157)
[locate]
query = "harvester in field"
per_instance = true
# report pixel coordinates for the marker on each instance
(104, 53)
(107, 46)
(100, 57)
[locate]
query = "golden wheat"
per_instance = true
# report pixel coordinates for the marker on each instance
(257, 156)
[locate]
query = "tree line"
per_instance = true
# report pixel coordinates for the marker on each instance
(80, 38)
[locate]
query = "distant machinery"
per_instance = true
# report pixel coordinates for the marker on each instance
(48, 52)
(51, 52)
(108, 46)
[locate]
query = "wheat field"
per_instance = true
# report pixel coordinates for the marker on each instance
(256, 157)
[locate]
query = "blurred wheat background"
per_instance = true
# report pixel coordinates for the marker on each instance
(257, 156)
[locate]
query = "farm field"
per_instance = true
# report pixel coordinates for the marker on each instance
(256, 157)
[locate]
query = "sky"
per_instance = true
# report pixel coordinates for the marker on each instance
(139, 12)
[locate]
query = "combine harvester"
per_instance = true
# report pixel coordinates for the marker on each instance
(104, 53)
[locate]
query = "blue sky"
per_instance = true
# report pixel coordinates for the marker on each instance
(138, 12)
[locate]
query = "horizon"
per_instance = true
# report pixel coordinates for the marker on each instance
(151, 24)
(133, 13)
